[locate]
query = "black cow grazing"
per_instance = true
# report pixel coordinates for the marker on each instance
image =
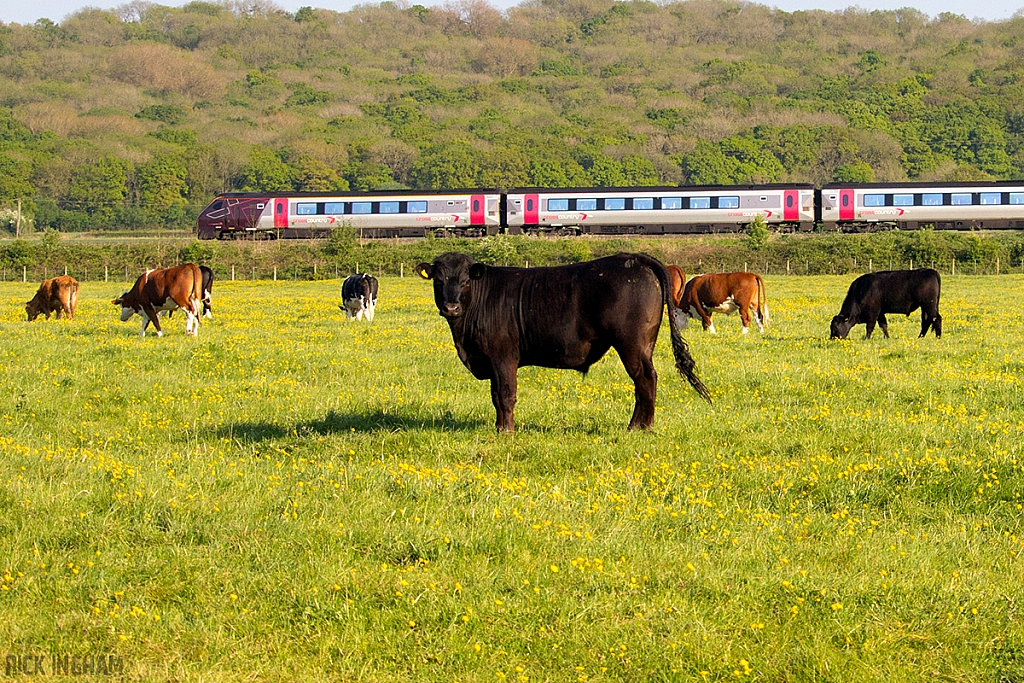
(873, 295)
(563, 317)
(207, 274)
(359, 296)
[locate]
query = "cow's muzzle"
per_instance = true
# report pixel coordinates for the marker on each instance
(451, 310)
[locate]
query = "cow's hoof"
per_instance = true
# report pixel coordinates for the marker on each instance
(159, 334)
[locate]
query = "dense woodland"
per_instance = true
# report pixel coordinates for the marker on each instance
(138, 116)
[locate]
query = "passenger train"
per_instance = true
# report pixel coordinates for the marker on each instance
(849, 207)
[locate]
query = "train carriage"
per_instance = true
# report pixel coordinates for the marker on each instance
(864, 207)
(658, 210)
(470, 213)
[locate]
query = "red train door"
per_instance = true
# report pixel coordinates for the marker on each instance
(791, 205)
(531, 209)
(846, 205)
(281, 213)
(476, 209)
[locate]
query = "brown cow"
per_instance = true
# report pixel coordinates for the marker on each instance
(677, 280)
(59, 295)
(724, 293)
(165, 289)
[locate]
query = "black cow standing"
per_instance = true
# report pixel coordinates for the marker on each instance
(503, 319)
(359, 296)
(874, 295)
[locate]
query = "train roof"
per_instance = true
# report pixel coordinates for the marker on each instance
(368, 193)
(663, 188)
(920, 184)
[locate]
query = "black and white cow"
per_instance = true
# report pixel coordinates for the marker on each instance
(502, 319)
(207, 274)
(874, 295)
(359, 296)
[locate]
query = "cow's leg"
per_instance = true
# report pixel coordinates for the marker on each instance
(503, 395)
(884, 324)
(369, 312)
(639, 365)
(759, 319)
(870, 323)
(149, 315)
(937, 324)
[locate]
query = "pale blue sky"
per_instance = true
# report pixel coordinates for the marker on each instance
(15, 11)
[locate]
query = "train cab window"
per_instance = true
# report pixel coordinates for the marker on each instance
(334, 208)
(874, 200)
(903, 200)
(734, 202)
(305, 209)
(962, 199)
(416, 207)
(990, 198)
(931, 199)
(1017, 197)
(643, 203)
(615, 204)
(586, 205)
(558, 205)
(217, 205)
(700, 202)
(389, 207)
(362, 207)
(671, 202)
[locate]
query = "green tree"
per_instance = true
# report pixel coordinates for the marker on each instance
(447, 167)
(313, 175)
(758, 233)
(100, 186)
(265, 172)
(162, 183)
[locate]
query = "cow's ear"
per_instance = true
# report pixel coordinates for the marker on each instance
(476, 271)
(425, 270)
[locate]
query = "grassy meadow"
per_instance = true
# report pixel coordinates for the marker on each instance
(291, 497)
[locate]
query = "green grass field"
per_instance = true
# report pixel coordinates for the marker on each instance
(296, 498)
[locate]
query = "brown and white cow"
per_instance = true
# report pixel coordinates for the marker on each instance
(57, 295)
(165, 289)
(724, 293)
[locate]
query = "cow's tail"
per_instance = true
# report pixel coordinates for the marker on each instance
(685, 364)
(762, 302)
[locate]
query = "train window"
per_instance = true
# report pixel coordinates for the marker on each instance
(734, 202)
(615, 204)
(962, 199)
(903, 200)
(476, 204)
(362, 207)
(416, 207)
(389, 207)
(991, 198)
(586, 205)
(1017, 197)
(671, 202)
(931, 199)
(643, 203)
(305, 209)
(280, 208)
(700, 202)
(558, 205)
(763, 198)
(219, 205)
(334, 208)
(260, 205)
(529, 205)
(874, 200)
(846, 199)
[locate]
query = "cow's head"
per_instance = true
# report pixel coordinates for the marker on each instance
(126, 310)
(453, 275)
(841, 325)
(34, 308)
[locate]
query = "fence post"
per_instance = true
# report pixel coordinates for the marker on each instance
(911, 264)
(953, 271)
(314, 271)
(65, 269)
(745, 266)
(254, 272)
(275, 273)
(871, 265)
(23, 274)
(126, 273)
(401, 270)
(997, 265)
(105, 273)
(787, 266)
(232, 273)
